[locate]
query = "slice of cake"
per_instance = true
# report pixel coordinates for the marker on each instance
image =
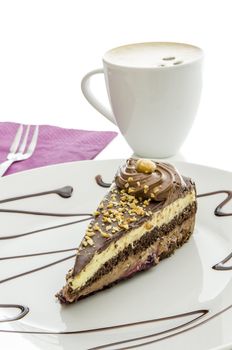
(148, 212)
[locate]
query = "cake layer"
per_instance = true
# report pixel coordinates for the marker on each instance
(120, 211)
(146, 252)
(147, 213)
(158, 219)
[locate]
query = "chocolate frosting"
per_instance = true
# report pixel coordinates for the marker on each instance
(157, 185)
(172, 186)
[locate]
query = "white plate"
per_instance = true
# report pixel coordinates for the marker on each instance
(183, 303)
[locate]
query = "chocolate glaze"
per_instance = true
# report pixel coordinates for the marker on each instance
(100, 243)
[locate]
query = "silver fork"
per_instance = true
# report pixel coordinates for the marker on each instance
(18, 149)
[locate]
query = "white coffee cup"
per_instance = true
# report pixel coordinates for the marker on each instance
(154, 91)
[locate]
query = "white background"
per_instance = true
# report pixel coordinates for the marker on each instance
(46, 46)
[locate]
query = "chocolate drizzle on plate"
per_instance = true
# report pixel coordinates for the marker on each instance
(198, 314)
(66, 192)
(218, 209)
(100, 181)
(218, 212)
(63, 192)
(47, 228)
(221, 265)
(37, 269)
(23, 311)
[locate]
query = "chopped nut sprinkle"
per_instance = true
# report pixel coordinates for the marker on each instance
(139, 211)
(145, 188)
(90, 233)
(132, 219)
(104, 234)
(132, 205)
(96, 227)
(131, 189)
(89, 241)
(118, 211)
(123, 225)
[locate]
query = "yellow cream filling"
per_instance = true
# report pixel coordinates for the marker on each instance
(158, 219)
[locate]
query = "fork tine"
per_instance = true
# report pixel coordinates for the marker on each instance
(24, 143)
(34, 139)
(15, 143)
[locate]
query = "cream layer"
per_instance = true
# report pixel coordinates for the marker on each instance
(158, 219)
(178, 236)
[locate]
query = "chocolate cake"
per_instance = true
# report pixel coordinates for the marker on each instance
(147, 214)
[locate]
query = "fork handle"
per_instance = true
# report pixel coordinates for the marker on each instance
(5, 165)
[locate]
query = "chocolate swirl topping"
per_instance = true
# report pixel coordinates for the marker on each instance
(151, 180)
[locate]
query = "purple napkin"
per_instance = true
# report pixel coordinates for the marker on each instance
(55, 145)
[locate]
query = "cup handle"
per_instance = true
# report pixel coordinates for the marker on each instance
(85, 87)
